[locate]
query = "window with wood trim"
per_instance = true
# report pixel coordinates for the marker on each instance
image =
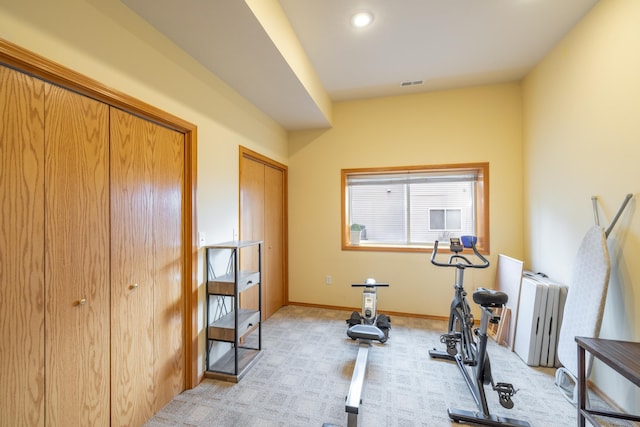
(408, 208)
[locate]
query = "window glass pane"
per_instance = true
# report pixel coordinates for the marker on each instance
(448, 206)
(381, 209)
(386, 209)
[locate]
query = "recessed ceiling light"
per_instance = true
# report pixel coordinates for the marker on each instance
(361, 19)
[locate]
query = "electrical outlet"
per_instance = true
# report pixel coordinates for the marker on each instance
(328, 280)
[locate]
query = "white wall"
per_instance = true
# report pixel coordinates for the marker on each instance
(582, 139)
(106, 41)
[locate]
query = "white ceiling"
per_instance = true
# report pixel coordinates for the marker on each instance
(445, 43)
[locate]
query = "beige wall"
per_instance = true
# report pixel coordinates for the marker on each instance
(480, 124)
(582, 139)
(104, 40)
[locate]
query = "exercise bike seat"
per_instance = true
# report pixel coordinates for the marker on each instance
(365, 332)
(489, 298)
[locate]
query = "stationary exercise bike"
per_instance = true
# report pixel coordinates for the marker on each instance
(466, 345)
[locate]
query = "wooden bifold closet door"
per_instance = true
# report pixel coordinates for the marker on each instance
(147, 356)
(77, 266)
(54, 255)
(92, 303)
(132, 290)
(21, 249)
(262, 217)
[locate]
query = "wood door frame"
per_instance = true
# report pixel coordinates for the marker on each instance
(246, 153)
(23, 60)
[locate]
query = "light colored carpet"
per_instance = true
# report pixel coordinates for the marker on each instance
(305, 371)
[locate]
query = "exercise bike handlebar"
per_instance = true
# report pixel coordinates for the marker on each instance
(463, 261)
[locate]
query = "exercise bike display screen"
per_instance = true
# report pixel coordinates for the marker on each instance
(455, 245)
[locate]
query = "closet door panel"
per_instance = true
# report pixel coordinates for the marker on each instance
(76, 259)
(168, 166)
(252, 201)
(147, 178)
(132, 309)
(273, 265)
(21, 249)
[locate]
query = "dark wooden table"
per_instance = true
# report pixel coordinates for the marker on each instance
(621, 356)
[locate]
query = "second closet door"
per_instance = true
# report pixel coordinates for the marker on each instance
(147, 163)
(76, 259)
(132, 266)
(262, 217)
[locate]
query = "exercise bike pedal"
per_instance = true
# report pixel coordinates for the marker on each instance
(455, 337)
(451, 341)
(505, 391)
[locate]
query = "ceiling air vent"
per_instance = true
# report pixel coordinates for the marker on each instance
(411, 83)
